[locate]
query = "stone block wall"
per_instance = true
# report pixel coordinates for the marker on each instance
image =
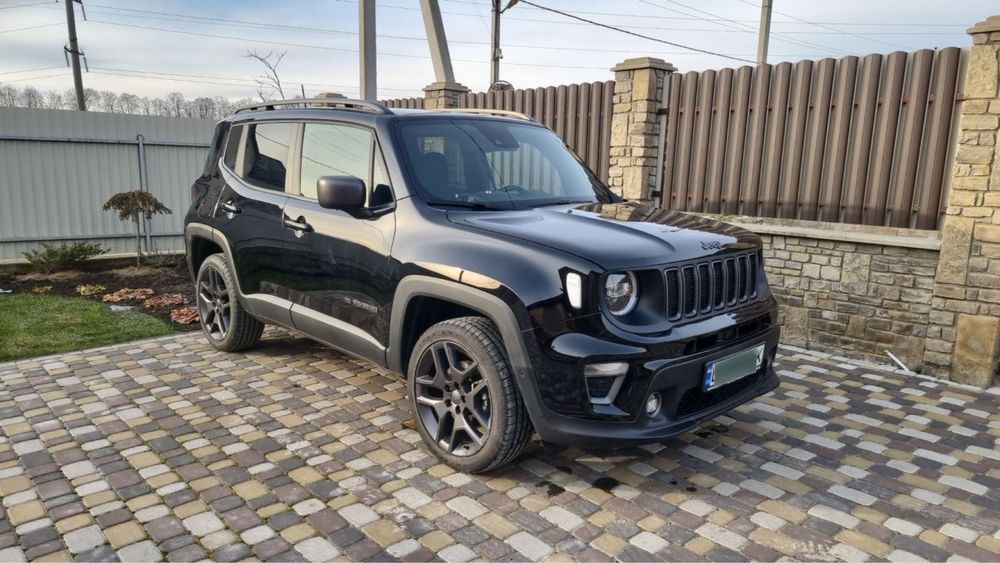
(855, 297)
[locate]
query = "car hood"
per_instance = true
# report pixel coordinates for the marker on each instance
(615, 235)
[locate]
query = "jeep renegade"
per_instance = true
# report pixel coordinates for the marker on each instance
(473, 252)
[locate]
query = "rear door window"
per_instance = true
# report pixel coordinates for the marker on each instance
(266, 155)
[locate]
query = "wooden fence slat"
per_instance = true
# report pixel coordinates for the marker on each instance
(670, 142)
(936, 141)
(701, 138)
(788, 191)
(739, 111)
(914, 110)
(842, 112)
(816, 138)
(720, 126)
(682, 153)
(884, 145)
(775, 137)
(755, 140)
(861, 139)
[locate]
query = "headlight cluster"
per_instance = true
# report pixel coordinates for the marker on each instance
(621, 293)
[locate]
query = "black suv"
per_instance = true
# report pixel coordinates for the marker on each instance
(472, 251)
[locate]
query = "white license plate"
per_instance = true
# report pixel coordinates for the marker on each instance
(733, 367)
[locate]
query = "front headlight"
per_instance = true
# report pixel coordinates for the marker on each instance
(621, 293)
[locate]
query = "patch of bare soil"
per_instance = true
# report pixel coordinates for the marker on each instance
(164, 281)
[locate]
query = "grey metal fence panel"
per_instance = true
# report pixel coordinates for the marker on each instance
(579, 113)
(405, 103)
(57, 168)
(850, 140)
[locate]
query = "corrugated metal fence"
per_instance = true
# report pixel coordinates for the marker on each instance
(57, 168)
(579, 113)
(851, 140)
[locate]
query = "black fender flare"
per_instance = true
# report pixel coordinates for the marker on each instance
(490, 306)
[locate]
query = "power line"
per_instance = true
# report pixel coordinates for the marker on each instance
(625, 31)
(824, 26)
(38, 69)
(30, 27)
(322, 47)
(733, 24)
(36, 77)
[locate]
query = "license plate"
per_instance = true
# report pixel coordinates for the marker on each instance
(732, 368)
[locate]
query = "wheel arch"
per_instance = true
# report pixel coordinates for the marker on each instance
(463, 300)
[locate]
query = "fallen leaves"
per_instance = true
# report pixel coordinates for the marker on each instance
(86, 290)
(164, 300)
(184, 315)
(127, 294)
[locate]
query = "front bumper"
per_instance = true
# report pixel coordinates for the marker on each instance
(684, 403)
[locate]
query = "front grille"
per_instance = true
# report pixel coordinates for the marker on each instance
(710, 286)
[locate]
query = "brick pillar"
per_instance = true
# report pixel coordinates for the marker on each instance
(441, 95)
(635, 126)
(966, 304)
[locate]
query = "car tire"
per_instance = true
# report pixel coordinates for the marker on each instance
(477, 396)
(226, 324)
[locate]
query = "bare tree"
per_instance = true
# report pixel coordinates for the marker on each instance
(108, 101)
(31, 97)
(128, 103)
(175, 104)
(146, 103)
(8, 96)
(269, 82)
(53, 100)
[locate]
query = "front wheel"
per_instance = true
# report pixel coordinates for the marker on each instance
(464, 398)
(223, 320)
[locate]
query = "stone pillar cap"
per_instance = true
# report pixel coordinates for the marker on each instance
(989, 25)
(644, 62)
(437, 86)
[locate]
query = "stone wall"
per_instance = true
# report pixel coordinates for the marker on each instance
(852, 290)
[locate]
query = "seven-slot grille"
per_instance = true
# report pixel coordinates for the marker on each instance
(712, 285)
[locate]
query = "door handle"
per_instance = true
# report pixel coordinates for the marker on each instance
(298, 225)
(231, 208)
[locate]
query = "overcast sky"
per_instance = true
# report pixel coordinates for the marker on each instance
(154, 47)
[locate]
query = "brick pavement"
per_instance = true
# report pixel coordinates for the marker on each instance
(168, 448)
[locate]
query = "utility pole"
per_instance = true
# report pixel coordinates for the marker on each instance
(366, 18)
(495, 55)
(765, 31)
(74, 55)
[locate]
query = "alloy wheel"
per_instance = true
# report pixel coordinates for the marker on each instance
(452, 398)
(214, 304)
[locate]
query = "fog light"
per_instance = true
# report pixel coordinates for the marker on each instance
(653, 404)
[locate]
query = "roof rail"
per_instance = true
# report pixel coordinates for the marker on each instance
(501, 112)
(332, 103)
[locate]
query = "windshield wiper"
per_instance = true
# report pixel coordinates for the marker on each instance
(561, 202)
(466, 204)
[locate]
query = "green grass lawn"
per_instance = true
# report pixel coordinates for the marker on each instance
(38, 325)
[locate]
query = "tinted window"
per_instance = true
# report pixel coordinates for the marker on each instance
(233, 147)
(494, 163)
(334, 150)
(266, 158)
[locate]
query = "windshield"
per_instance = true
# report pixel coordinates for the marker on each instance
(492, 164)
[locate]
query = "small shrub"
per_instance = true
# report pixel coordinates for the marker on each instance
(52, 258)
(89, 289)
(133, 206)
(41, 289)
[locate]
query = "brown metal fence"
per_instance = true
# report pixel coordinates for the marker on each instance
(579, 113)
(855, 140)
(405, 103)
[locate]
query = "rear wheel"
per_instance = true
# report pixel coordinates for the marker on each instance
(464, 398)
(223, 320)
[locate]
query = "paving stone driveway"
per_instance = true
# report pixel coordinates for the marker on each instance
(167, 448)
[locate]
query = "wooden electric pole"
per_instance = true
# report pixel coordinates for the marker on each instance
(765, 31)
(495, 55)
(366, 17)
(74, 54)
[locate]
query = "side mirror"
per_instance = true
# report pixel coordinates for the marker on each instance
(346, 193)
